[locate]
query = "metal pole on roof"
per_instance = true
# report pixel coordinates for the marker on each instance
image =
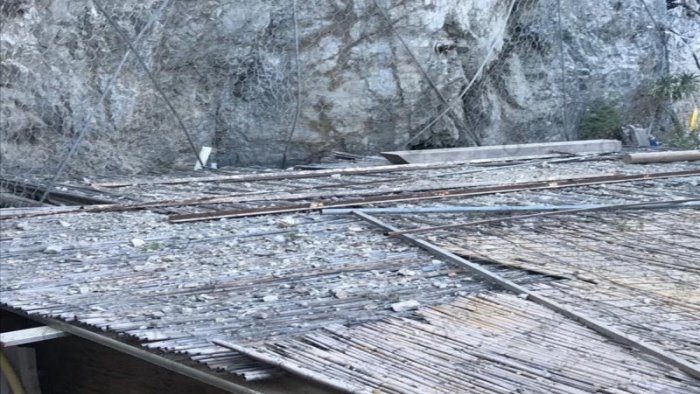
(496, 209)
(599, 327)
(454, 209)
(641, 205)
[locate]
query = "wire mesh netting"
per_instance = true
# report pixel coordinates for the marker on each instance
(94, 87)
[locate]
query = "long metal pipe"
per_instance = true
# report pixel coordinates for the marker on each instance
(144, 355)
(688, 203)
(496, 279)
(661, 157)
(490, 209)
(431, 194)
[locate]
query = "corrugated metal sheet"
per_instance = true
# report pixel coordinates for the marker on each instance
(247, 280)
(637, 271)
(282, 282)
(493, 343)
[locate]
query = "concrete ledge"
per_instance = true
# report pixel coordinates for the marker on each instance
(501, 151)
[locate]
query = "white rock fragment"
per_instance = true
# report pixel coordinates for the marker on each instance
(405, 306)
(186, 311)
(270, 298)
(406, 272)
(440, 285)
(53, 249)
(138, 243)
(340, 293)
(63, 223)
(287, 222)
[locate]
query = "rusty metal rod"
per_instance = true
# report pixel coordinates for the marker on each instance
(488, 209)
(431, 195)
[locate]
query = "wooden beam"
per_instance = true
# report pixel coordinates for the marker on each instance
(29, 335)
(661, 157)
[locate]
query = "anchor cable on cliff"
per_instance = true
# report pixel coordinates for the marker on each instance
(108, 88)
(471, 83)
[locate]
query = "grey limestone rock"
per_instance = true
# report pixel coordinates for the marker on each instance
(229, 69)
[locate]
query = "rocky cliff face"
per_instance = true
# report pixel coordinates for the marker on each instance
(683, 39)
(368, 76)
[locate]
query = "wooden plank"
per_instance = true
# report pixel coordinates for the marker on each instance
(501, 151)
(29, 335)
